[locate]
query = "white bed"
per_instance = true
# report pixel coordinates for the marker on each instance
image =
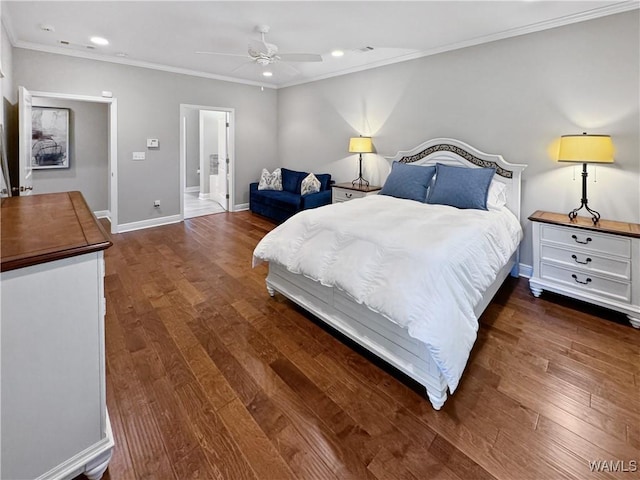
(392, 330)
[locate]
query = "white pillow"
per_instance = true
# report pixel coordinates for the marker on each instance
(270, 181)
(310, 184)
(497, 195)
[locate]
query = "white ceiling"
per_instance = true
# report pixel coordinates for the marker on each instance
(166, 34)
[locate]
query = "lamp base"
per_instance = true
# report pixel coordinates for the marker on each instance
(595, 216)
(360, 182)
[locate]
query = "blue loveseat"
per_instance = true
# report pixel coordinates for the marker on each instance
(280, 205)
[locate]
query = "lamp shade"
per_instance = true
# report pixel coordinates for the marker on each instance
(586, 149)
(360, 145)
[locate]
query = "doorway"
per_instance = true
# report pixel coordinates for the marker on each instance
(25, 178)
(206, 160)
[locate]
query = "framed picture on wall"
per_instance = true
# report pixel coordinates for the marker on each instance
(49, 137)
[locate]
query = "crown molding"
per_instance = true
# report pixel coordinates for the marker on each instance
(135, 63)
(621, 7)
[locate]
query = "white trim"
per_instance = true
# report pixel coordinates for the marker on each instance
(241, 207)
(136, 63)
(526, 271)
(152, 222)
(191, 189)
(204, 196)
(102, 214)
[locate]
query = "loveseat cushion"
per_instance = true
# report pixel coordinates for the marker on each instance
(291, 180)
(278, 199)
(325, 181)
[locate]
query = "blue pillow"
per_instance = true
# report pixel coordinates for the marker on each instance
(408, 181)
(461, 187)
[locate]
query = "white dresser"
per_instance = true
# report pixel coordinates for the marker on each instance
(343, 192)
(599, 263)
(54, 422)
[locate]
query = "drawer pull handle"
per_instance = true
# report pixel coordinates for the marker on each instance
(586, 282)
(589, 239)
(348, 195)
(586, 262)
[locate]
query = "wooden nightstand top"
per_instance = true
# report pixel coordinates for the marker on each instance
(349, 186)
(606, 226)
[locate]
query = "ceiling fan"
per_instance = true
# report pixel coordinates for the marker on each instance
(262, 53)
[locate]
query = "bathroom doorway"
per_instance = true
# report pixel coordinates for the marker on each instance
(206, 159)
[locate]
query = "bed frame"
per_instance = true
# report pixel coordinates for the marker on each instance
(372, 331)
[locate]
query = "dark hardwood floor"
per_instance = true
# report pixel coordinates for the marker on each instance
(209, 377)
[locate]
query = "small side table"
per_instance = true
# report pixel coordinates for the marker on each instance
(597, 263)
(343, 192)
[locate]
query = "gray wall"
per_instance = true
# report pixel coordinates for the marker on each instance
(514, 97)
(149, 107)
(88, 159)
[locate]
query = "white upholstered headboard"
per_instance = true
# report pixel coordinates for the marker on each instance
(455, 152)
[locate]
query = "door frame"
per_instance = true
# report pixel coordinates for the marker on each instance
(112, 134)
(231, 112)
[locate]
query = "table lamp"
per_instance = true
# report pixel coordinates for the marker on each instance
(360, 145)
(585, 149)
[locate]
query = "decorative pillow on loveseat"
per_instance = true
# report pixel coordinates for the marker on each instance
(310, 184)
(270, 181)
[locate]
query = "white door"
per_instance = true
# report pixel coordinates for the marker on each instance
(223, 159)
(25, 178)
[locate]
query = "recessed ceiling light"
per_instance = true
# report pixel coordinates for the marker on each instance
(99, 41)
(267, 74)
(337, 53)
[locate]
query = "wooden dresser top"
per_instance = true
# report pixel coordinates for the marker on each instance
(606, 226)
(42, 228)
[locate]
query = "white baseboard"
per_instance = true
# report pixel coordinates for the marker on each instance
(152, 222)
(240, 207)
(191, 189)
(103, 214)
(526, 270)
(204, 196)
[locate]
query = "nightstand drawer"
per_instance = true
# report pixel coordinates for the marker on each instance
(341, 195)
(587, 282)
(586, 262)
(587, 240)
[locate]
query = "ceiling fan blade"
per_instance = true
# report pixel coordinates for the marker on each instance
(219, 53)
(300, 57)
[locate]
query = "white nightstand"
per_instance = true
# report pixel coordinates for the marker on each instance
(343, 192)
(598, 263)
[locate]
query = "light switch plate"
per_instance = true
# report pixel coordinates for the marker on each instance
(152, 143)
(139, 155)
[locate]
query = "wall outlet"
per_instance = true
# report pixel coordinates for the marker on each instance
(139, 155)
(156, 203)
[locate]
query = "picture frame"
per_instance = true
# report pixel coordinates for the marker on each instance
(49, 137)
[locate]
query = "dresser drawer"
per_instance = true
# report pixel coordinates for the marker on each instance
(586, 262)
(586, 240)
(587, 282)
(343, 195)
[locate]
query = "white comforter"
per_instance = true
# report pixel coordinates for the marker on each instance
(421, 266)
